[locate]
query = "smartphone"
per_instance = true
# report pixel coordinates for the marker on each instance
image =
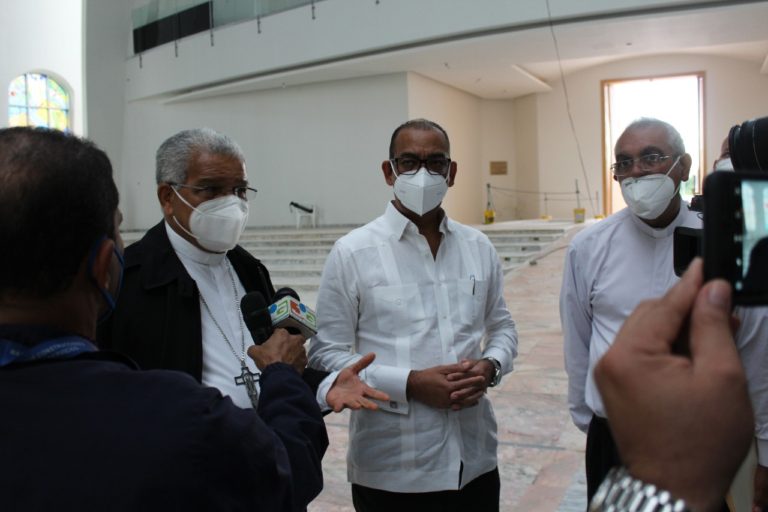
(735, 243)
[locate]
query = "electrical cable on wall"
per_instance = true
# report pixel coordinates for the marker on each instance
(568, 109)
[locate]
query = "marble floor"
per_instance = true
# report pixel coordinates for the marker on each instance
(541, 453)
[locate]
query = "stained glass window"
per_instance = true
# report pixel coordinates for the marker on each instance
(35, 99)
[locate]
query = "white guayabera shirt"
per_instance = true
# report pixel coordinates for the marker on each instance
(382, 291)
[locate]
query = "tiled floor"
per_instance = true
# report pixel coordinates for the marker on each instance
(540, 451)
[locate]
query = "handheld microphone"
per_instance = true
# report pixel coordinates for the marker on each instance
(288, 312)
(256, 316)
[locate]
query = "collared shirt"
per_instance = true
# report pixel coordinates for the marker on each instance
(382, 291)
(610, 268)
(219, 286)
(222, 291)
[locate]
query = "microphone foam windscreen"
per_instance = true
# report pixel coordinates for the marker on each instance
(285, 292)
(255, 310)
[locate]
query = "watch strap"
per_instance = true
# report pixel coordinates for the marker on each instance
(496, 371)
(621, 492)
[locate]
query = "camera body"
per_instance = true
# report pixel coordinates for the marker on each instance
(735, 242)
(731, 212)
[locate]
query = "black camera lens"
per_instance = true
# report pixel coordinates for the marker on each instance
(748, 145)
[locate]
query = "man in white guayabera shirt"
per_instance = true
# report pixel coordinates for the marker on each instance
(425, 294)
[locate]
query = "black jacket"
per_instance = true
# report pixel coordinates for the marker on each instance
(157, 318)
(93, 433)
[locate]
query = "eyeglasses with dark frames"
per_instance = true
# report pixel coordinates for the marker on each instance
(213, 191)
(649, 162)
(434, 165)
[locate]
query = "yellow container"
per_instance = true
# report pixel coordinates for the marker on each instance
(489, 216)
(579, 214)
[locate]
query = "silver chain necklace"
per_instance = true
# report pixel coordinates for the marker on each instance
(246, 378)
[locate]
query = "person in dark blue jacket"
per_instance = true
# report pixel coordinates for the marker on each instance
(84, 429)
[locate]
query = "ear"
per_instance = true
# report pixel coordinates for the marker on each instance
(389, 176)
(685, 163)
(102, 260)
(452, 173)
(164, 195)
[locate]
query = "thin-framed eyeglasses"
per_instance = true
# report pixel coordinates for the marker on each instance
(649, 162)
(214, 191)
(409, 165)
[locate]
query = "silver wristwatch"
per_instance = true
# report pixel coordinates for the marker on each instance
(620, 492)
(496, 371)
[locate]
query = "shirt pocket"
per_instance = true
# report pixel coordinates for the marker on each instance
(471, 299)
(399, 309)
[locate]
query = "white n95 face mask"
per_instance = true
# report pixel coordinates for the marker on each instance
(218, 223)
(420, 192)
(648, 196)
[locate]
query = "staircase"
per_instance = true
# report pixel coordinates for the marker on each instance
(296, 258)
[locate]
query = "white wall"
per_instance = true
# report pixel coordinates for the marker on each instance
(293, 39)
(734, 91)
(526, 158)
(498, 142)
(106, 48)
(43, 36)
(321, 143)
(459, 114)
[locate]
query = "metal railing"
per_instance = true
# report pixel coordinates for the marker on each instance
(159, 22)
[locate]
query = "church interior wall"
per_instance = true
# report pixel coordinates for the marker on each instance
(498, 143)
(106, 48)
(339, 29)
(734, 91)
(314, 144)
(459, 114)
(323, 142)
(525, 135)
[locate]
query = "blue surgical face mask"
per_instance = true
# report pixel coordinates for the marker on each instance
(105, 293)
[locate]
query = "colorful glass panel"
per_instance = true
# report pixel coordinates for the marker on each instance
(17, 92)
(37, 86)
(57, 97)
(17, 116)
(58, 119)
(37, 100)
(38, 117)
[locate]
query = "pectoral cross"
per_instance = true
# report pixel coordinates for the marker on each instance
(248, 379)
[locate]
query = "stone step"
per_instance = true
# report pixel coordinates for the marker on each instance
(517, 246)
(298, 283)
(285, 259)
(310, 252)
(306, 243)
(297, 235)
(523, 238)
(294, 271)
(296, 258)
(516, 258)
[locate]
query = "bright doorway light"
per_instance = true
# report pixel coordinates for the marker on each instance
(677, 100)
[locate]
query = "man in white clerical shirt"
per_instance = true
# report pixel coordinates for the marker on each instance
(179, 308)
(613, 265)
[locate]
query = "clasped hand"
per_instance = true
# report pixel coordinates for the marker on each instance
(455, 386)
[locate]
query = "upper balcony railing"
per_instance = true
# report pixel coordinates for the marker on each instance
(157, 22)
